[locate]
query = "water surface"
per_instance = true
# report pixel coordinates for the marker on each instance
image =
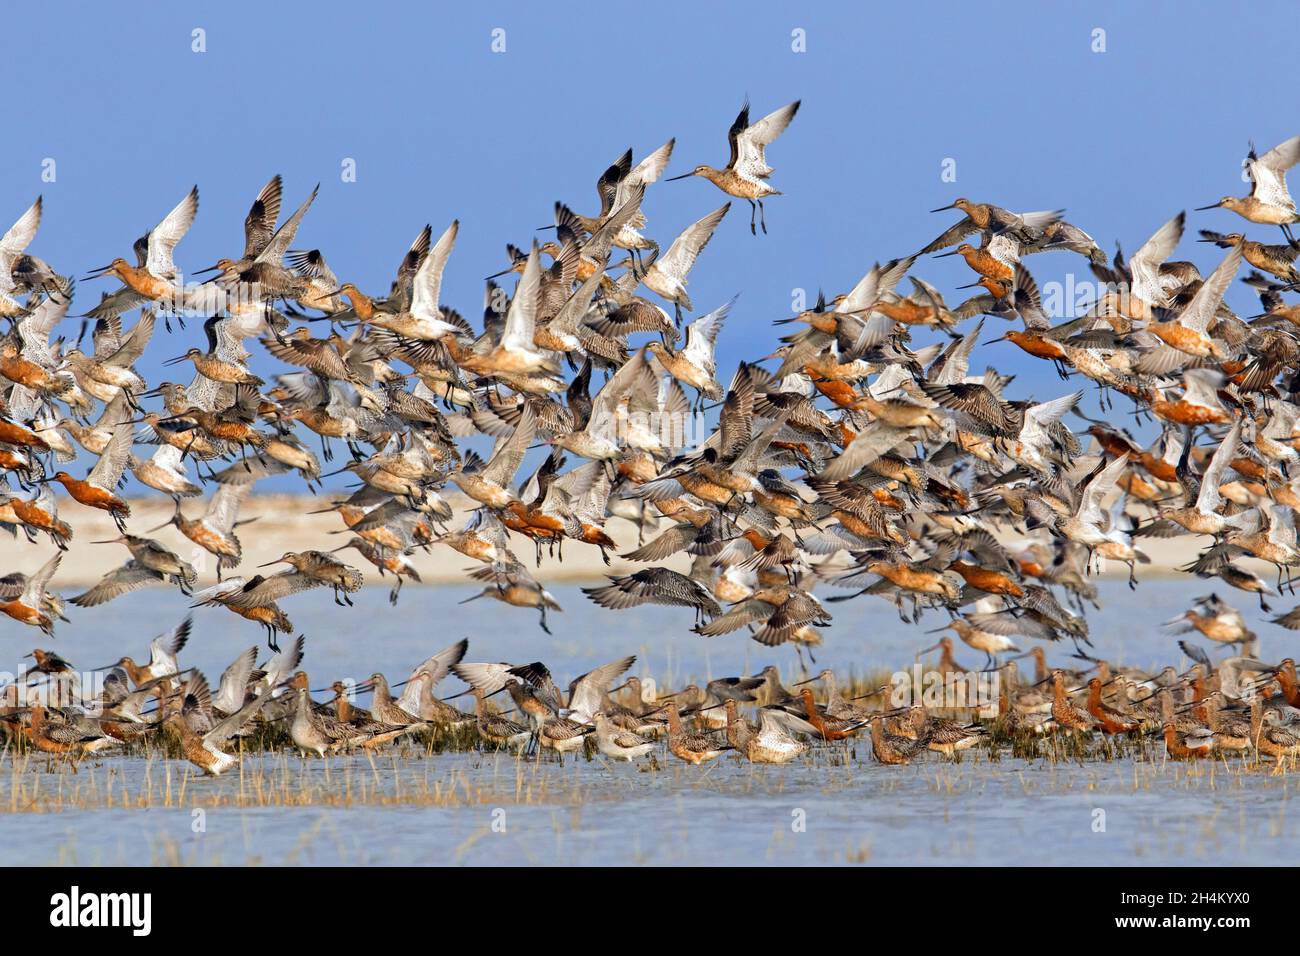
(836, 806)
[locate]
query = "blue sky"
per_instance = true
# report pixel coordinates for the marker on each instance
(441, 127)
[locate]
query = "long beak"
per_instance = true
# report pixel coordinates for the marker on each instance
(945, 208)
(497, 275)
(111, 540)
(972, 285)
(945, 255)
(810, 680)
(1211, 206)
(200, 272)
(927, 650)
(871, 693)
(363, 688)
(891, 713)
(267, 565)
(158, 528)
(673, 179)
(177, 360)
(96, 273)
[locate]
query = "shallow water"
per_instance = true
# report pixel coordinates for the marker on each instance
(931, 813)
(835, 806)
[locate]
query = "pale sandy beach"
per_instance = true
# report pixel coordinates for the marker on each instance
(285, 522)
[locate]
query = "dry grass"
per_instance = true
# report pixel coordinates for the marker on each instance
(151, 772)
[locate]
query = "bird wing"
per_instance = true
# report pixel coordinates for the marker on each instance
(1041, 218)
(312, 265)
(164, 648)
(162, 239)
(279, 668)
(956, 360)
(521, 319)
(259, 224)
(34, 591)
(1209, 499)
(234, 681)
(951, 236)
(108, 470)
(1205, 303)
(1039, 418)
(509, 452)
(751, 144)
(217, 593)
(574, 310)
(635, 376)
(17, 239)
(587, 692)
(742, 614)
(439, 665)
(134, 342)
(1145, 263)
(283, 238)
(427, 285)
(686, 248)
(867, 445)
(702, 336)
(644, 173)
(34, 328)
(129, 577)
(223, 508)
(487, 677)
(738, 127)
(873, 285)
(223, 730)
(1102, 484)
(1269, 173)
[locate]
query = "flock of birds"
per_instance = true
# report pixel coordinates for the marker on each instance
(845, 457)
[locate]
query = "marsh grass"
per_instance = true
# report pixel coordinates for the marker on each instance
(449, 768)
